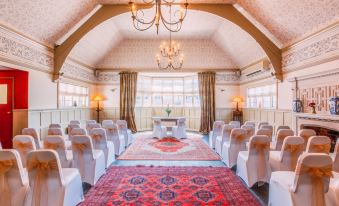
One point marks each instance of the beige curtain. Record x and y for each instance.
(128, 92)
(207, 100)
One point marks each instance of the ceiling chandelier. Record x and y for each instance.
(174, 26)
(171, 52)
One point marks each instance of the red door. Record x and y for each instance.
(6, 116)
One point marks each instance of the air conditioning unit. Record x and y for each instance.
(256, 68)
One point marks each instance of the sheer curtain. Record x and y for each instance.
(207, 100)
(128, 92)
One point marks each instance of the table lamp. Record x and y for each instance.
(98, 98)
(237, 100)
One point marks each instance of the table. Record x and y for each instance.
(169, 120)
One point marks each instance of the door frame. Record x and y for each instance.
(12, 80)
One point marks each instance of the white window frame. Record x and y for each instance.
(256, 96)
(79, 91)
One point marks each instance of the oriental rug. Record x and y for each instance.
(147, 148)
(177, 186)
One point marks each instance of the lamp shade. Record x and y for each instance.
(98, 98)
(236, 99)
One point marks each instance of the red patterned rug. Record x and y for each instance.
(175, 186)
(148, 148)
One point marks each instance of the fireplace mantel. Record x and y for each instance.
(323, 120)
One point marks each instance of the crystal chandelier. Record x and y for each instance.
(171, 52)
(174, 26)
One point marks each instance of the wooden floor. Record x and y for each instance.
(260, 192)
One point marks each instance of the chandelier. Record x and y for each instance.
(174, 26)
(171, 52)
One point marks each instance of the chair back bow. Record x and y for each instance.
(80, 146)
(97, 137)
(321, 148)
(112, 130)
(317, 174)
(239, 138)
(5, 166)
(23, 146)
(294, 150)
(40, 190)
(261, 147)
(53, 146)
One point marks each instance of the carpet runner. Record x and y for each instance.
(147, 148)
(177, 186)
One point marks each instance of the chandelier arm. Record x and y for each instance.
(178, 27)
(141, 20)
(136, 26)
(180, 20)
(149, 2)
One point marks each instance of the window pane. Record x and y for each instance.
(157, 100)
(167, 100)
(178, 100)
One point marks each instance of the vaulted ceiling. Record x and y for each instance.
(114, 43)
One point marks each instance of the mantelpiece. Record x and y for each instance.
(322, 120)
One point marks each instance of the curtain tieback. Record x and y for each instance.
(5, 166)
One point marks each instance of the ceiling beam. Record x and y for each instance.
(229, 12)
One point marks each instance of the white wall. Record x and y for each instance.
(224, 99)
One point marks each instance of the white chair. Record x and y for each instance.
(250, 130)
(23, 144)
(58, 132)
(224, 137)
(49, 183)
(70, 127)
(75, 122)
(14, 178)
(91, 126)
(306, 134)
(318, 144)
(107, 122)
(179, 131)
(335, 158)
(231, 148)
(262, 123)
(33, 133)
(123, 129)
(77, 131)
(282, 127)
(90, 122)
(216, 131)
(253, 165)
(250, 123)
(99, 140)
(159, 131)
(118, 140)
(286, 159)
(281, 135)
(270, 128)
(306, 186)
(91, 163)
(266, 132)
(57, 143)
(51, 126)
(236, 124)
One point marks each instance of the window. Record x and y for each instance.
(163, 91)
(72, 96)
(262, 97)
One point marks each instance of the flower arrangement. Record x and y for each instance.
(312, 105)
(168, 111)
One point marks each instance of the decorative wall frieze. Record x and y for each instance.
(78, 72)
(231, 77)
(108, 78)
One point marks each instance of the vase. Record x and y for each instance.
(296, 105)
(334, 105)
(313, 110)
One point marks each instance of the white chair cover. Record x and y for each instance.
(306, 186)
(54, 131)
(70, 127)
(91, 163)
(14, 183)
(224, 137)
(332, 196)
(250, 130)
(236, 124)
(23, 144)
(250, 123)
(267, 132)
(32, 132)
(75, 122)
(306, 134)
(318, 144)
(231, 148)
(253, 165)
(107, 122)
(54, 126)
(91, 126)
(286, 159)
(281, 135)
(262, 123)
(57, 143)
(91, 121)
(179, 131)
(118, 140)
(216, 131)
(159, 131)
(335, 158)
(123, 129)
(99, 140)
(49, 183)
(282, 127)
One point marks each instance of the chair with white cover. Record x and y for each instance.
(335, 158)
(250, 123)
(318, 144)
(49, 183)
(216, 131)
(70, 127)
(236, 124)
(90, 162)
(55, 131)
(179, 131)
(253, 165)
(262, 123)
(250, 130)
(107, 122)
(57, 143)
(14, 185)
(231, 148)
(54, 126)
(281, 135)
(91, 126)
(282, 127)
(74, 122)
(123, 129)
(159, 131)
(267, 132)
(286, 158)
(90, 122)
(24, 144)
(224, 137)
(118, 139)
(306, 134)
(99, 140)
(308, 185)
(33, 133)
(77, 131)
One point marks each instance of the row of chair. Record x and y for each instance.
(178, 131)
